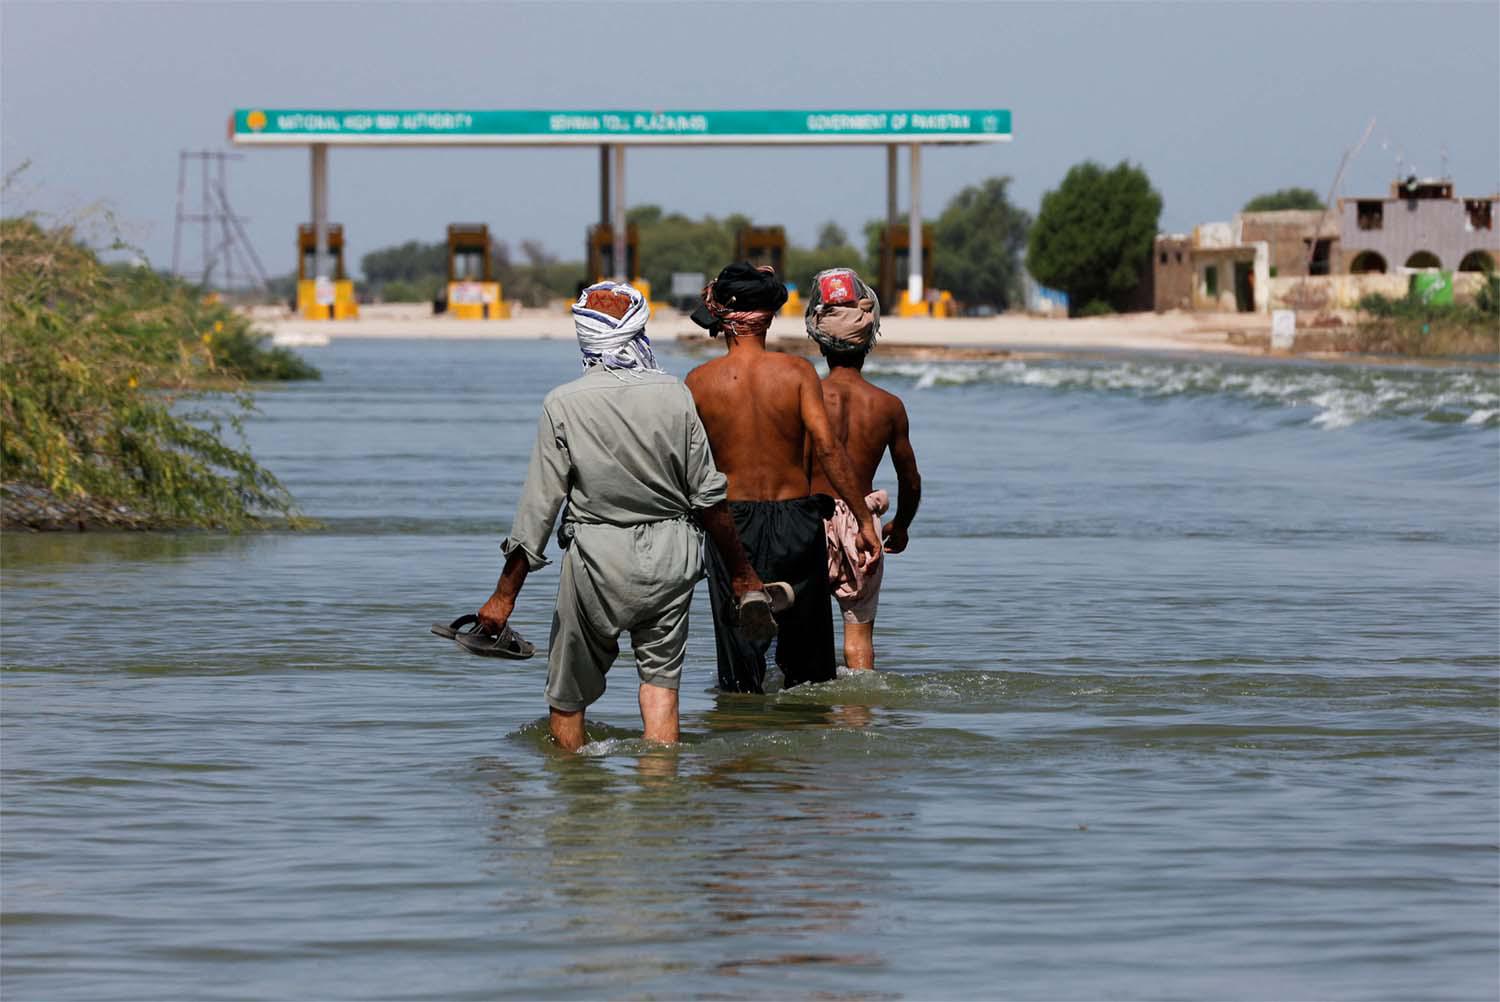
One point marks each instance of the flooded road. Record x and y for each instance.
(1189, 690)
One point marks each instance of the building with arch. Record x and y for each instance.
(1329, 259)
(1421, 225)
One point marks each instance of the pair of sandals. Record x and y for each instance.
(756, 619)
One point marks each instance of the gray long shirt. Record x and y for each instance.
(623, 449)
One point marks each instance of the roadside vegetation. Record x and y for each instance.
(1410, 326)
(121, 393)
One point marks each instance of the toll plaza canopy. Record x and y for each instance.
(298, 127)
(613, 131)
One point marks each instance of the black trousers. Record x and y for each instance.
(785, 541)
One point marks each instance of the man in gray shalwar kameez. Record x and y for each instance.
(623, 446)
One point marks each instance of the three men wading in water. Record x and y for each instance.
(745, 451)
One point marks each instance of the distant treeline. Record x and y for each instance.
(1092, 239)
(415, 271)
(978, 240)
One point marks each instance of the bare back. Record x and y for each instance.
(751, 405)
(866, 419)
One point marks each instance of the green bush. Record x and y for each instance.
(119, 385)
(1487, 301)
(1484, 309)
(1408, 326)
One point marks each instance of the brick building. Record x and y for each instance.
(1300, 241)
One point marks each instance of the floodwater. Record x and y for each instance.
(1189, 691)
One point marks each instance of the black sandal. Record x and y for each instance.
(755, 613)
(450, 631)
(505, 644)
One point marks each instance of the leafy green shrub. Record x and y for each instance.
(1487, 300)
(1377, 305)
(1413, 310)
(1096, 308)
(1408, 326)
(101, 372)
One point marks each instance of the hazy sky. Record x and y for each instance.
(1217, 101)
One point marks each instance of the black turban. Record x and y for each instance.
(742, 288)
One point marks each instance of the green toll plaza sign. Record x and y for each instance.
(281, 126)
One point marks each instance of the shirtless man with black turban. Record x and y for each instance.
(760, 409)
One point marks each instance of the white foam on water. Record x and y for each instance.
(1338, 398)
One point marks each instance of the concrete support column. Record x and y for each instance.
(914, 289)
(604, 185)
(892, 179)
(622, 269)
(320, 209)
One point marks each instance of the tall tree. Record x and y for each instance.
(1285, 198)
(672, 242)
(1093, 236)
(802, 264)
(411, 261)
(977, 244)
(831, 236)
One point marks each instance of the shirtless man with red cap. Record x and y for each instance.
(843, 317)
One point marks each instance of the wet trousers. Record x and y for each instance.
(785, 541)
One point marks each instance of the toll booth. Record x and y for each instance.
(766, 245)
(323, 298)
(895, 259)
(472, 292)
(601, 256)
(762, 245)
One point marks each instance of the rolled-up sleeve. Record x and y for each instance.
(706, 485)
(543, 495)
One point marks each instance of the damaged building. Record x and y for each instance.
(1420, 225)
(1250, 263)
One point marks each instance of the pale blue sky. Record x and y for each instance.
(1217, 101)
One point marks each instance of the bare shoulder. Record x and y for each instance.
(795, 364)
(884, 400)
(891, 409)
(701, 374)
(883, 395)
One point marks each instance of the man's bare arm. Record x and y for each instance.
(835, 460)
(496, 611)
(719, 524)
(908, 481)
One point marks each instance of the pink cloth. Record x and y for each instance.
(854, 576)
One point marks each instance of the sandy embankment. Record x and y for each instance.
(959, 337)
